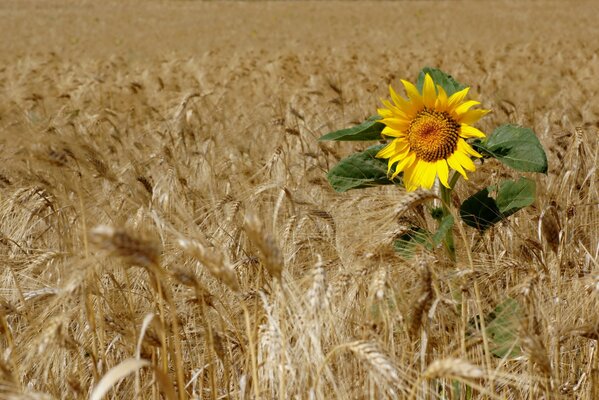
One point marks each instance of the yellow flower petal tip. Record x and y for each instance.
(429, 131)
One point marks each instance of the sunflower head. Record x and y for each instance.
(429, 131)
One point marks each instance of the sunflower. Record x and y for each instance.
(429, 131)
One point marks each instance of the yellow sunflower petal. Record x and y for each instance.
(454, 163)
(472, 116)
(396, 123)
(388, 131)
(443, 172)
(384, 112)
(429, 173)
(400, 154)
(423, 125)
(405, 163)
(422, 175)
(401, 149)
(400, 102)
(466, 148)
(389, 105)
(464, 160)
(408, 177)
(456, 99)
(441, 104)
(394, 110)
(386, 151)
(465, 106)
(429, 94)
(468, 131)
(401, 145)
(413, 94)
(398, 157)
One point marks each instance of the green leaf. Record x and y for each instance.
(359, 170)
(502, 329)
(444, 227)
(442, 79)
(517, 147)
(367, 130)
(512, 196)
(481, 210)
(407, 243)
(417, 237)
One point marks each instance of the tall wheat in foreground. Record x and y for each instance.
(167, 230)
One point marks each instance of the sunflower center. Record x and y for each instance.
(433, 135)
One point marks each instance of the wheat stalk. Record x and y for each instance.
(212, 259)
(266, 243)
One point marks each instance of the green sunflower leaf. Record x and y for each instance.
(481, 210)
(444, 227)
(517, 147)
(410, 241)
(368, 130)
(515, 195)
(502, 329)
(359, 170)
(446, 81)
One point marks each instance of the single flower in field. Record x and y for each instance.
(429, 131)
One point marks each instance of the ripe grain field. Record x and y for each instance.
(165, 216)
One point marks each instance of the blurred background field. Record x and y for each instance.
(190, 129)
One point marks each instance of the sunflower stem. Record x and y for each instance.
(446, 204)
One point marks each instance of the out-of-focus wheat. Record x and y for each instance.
(198, 161)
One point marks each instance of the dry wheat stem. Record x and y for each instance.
(199, 164)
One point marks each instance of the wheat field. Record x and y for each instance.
(167, 229)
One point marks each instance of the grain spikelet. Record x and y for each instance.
(272, 354)
(4, 181)
(57, 331)
(220, 205)
(589, 331)
(187, 278)
(56, 157)
(98, 163)
(146, 183)
(537, 353)
(218, 345)
(269, 249)
(166, 190)
(235, 206)
(132, 250)
(317, 294)
(212, 259)
(592, 285)
(412, 199)
(379, 282)
(180, 113)
(33, 199)
(579, 141)
(42, 293)
(380, 363)
(325, 216)
(424, 297)
(551, 227)
(275, 157)
(7, 308)
(453, 368)
(289, 228)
